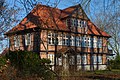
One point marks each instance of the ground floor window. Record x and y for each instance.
(99, 59)
(84, 60)
(94, 59)
(71, 60)
(78, 59)
(59, 61)
(51, 57)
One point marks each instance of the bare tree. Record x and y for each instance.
(108, 19)
(7, 18)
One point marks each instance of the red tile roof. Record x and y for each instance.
(47, 17)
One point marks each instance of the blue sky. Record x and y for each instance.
(95, 7)
(62, 4)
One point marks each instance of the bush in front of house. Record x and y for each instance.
(2, 62)
(115, 64)
(29, 64)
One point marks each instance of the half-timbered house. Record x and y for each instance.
(67, 37)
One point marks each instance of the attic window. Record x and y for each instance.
(82, 23)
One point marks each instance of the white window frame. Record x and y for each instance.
(94, 42)
(28, 39)
(59, 39)
(78, 41)
(65, 39)
(99, 43)
(17, 40)
(79, 23)
(51, 38)
(89, 42)
(99, 59)
(72, 22)
(84, 41)
(84, 59)
(72, 40)
(78, 59)
(72, 60)
(94, 59)
(85, 24)
(51, 57)
(68, 22)
(60, 61)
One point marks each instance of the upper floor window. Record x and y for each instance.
(65, 40)
(28, 39)
(89, 42)
(59, 39)
(76, 22)
(84, 41)
(82, 23)
(94, 42)
(99, 42)
(51, 38)
(72, 41)
(78, 41)
(17, 41)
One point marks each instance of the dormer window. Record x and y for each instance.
(76, 22)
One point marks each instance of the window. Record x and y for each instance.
(72, 41)
(60, 61)
(67, 22)
(94, 59)
(17, 41)
(78, 41)
(99, 43)
(65, 39)
(72, 60)
(84, 41)
(99, 59)
(84, 24)
(94, 42)
(51, 57)
(79, 23)
(78, 59)
(84, 59)
(72, 22)
(89, 42)
(59, 39)
(51, 38)
(28, 39)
